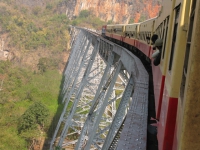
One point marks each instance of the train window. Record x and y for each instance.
(142, 36)
(187, 53)
(163, 30)
(174, 37)
(159, 31)
(165, 36)
(156, 32)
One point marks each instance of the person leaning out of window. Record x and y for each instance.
(157, 54)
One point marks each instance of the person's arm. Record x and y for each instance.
(156, 61)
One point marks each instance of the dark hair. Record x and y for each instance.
(154, 38)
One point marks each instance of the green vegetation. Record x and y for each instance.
(87, 19)
(142, 18)
(30, 32)
(110, 22)
(29, 98)
(36, 115)
(118, 92)
(131, 21)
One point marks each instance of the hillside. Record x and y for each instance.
(119, 11)
(32, 34)
(36, 41)
(34, 48)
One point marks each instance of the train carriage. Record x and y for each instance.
(119, 31)
(144, 36)
(184, 78)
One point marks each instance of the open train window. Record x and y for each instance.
(174, 36)
(165, 36)
(161, 29)
(187, 53)
(157, 31)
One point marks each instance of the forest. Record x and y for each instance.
(37, 39)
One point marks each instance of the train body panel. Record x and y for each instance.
(143, 47)
(158, 79)
(167, 121)
(190, 94)
(176, 80)
(129, 41)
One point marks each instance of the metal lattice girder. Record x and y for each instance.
(103, 80)
(84, 100)
(77, 74)
(78, 95)
(63, 115)
(76, 51)
(96, 111)
(77, 66)
(73, 33)
(77, 45)
(120, 115)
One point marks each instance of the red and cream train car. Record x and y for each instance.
(176, 79)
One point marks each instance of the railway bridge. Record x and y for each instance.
(105, 97)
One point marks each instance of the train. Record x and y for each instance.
(174, 35)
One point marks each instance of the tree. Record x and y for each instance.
(84, 14)
(35, 116)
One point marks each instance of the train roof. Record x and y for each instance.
(151, 19)
(133, 24)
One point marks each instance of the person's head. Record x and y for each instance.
(158, 43)
(154, 38)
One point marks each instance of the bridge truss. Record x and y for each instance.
(105, 97)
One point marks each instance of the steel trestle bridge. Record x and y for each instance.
(105, 97)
